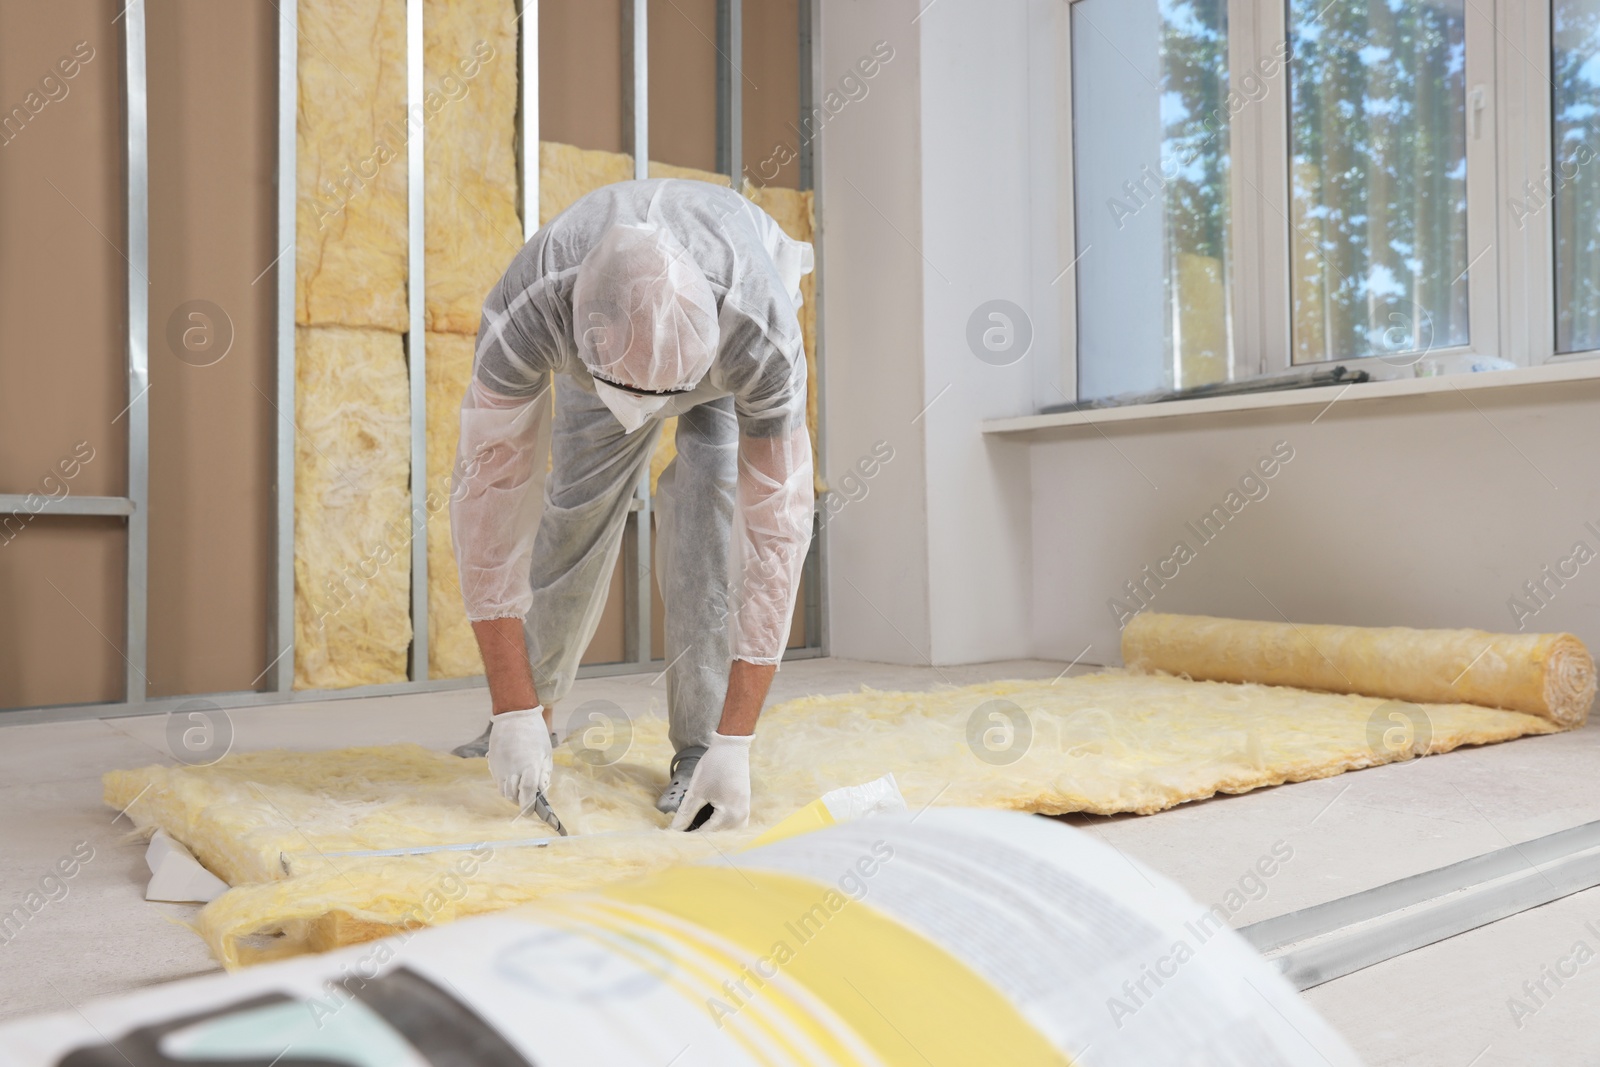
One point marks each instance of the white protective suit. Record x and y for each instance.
(688, 306)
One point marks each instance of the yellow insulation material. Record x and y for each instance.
(1550, 675)
(672, 170)
(1105, 743)
(352, 493)
(567, 173)
(470, 58)
(351, 169)
(666, 450)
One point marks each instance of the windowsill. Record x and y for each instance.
(1568, 370)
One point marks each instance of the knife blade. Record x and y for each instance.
(541, 808)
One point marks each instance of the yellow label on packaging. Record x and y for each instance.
(785, 946)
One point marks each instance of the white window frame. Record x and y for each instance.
(1511, 271)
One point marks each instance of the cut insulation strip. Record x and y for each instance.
(1104, 743)
(1549, 675)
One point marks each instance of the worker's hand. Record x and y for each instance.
(722, 780)
(519, 754)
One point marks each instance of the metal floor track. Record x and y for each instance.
(1321, 943)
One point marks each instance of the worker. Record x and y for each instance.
(643, 300)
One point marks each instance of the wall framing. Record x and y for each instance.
(277, 679)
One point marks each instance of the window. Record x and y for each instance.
(1575, 108)
(1277, 188)
(1378, 177)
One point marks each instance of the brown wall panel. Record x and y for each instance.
(772, 104)
(213, 158)
(63, 347)
(63, 229)
(580, 73)
(62, 587)
(683, 83)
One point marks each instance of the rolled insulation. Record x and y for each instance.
(1549, 675)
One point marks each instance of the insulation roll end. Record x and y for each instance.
(1569, 681)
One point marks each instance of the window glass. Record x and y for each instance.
(1572, 184)
(1150, 88)
(1378, 170)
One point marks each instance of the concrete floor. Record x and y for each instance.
(1442, 1005)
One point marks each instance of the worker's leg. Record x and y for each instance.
(694, 507)
(595, 468)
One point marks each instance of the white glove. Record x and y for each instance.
(721, 779)
(519, 754)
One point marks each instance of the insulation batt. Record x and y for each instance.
(1549, 675)
(472, 227)
(352, 493)
(1105, 743)
(351, 171)
(567, 172)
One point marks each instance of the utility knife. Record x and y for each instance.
(541, 808)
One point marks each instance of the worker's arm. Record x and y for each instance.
(497, 492)
(776, 502)
(520, 750)
(772, 534)
(505, 663)
(496, 499)
(495, 503)
(719, 793)
(747, 692)
(766, 373)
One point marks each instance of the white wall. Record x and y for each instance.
(1428, 511)
(870, 212)
(939, 194)
(979, 226)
